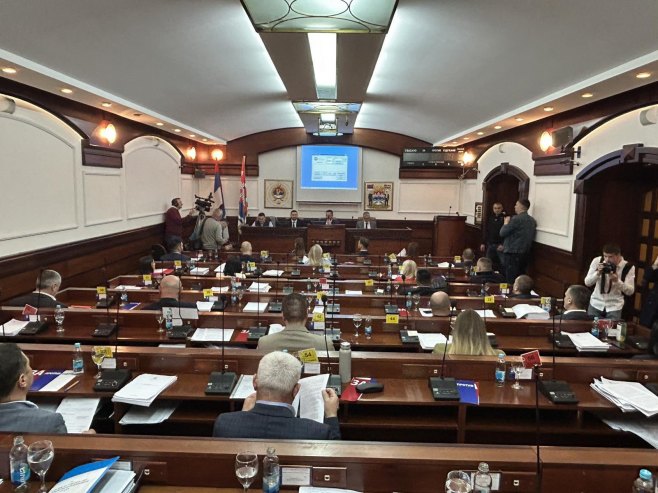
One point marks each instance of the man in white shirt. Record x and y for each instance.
(611, 277)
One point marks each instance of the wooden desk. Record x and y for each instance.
(382, 240)
(271, 239)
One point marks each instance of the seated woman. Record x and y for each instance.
(469, 337)
(315, 256)
(299, 250)
(146, 267)
(408, 270)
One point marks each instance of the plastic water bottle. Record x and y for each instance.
(309, 285)
(59, 319)
(345, 362)
(124, 297)
(500, 370)
(644, 482)
(78, 362)
(271, 472)
(409, 304)
(18, 466)
(169, 321)
(595, 327)
(482, 481)
(368, 327)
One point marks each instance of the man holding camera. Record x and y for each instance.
(612, 277)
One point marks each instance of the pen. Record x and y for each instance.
(72, 385)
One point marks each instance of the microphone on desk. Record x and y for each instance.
(221, 382)
(535, 371)
(445, 389)
(334, 380)
(37, 326)
(556, 391)
(105, 329)
(275, 306)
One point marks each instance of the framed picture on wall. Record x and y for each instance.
(477, 217)
(378, 196)
(278, 194)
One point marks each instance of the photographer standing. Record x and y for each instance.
(612, 277)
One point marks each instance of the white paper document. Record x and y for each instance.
(204, 306)
(486, 313)
(199, 271)
(115, 481)
(128, 287)
(59, 382)
(220, 289)
(254, 307)
(353, 291)
(584, 341)
(256, 287)
(629, 396)
(144, 389)
(308, 401)
(429, 340)
(78, 412)
(220, 267)
(13, 327)
(273, 273)
(275, 328)
(244, 388)
(212, 335)
(535, 312)
(425, 312)
(157, 413)
(83, 478)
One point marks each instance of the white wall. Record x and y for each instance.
(51, 199)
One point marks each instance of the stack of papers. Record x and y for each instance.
(220, 289)
(533, 312)
(628, 396)
(199, 271)
(204, 306)
(273, 273)
(584, 341)
(429, 340)
(212, 335)
(127, 287)
(78, 412)
(444, 265)
(158, 413)
(487, 313)
(354, 291)
(144, 389)
(253, 306)
(255, 287)
(13, 327)
(96, 477)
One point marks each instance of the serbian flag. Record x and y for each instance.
(218, 190)
(243, 208)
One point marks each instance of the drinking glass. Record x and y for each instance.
(40, 455)
(517, 368)
(416, 299)
(98, 356)
(160, 318)
(396, 286)
(458, 482)
(246, 468)
(357, 323)
(240, 293)
(309, 298)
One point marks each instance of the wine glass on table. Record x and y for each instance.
(160, 319)
(517, 368)
(458, 482)
(40, 455)
(240, 293)
(416, 299)
(357, 323)
(246, 468)
(98, 356)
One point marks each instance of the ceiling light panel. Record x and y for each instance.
(323, 54)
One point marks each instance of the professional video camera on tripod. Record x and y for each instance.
(203, 206)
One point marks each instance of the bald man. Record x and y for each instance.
(440, 304)
(170, 288)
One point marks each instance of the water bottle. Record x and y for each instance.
(169, 321)
(409, 303)
(124, 297)
(271, 473)
(500, 370)
(388, 287)
(482, 479)
(309, 285)
(78, 362)
(622, 329)
(18, 466)
(644, 482)
(368, 327)
(59, 316)
(595, 327)
(345, 362)
(389, 273)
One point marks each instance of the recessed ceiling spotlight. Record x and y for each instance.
(455, 142)
(192, 135)
(177, 130)
(480, 133)
(548, 108)
(497, 127)
(465, 138)
(518, 119)
(66, 90)
(643, 75)
(205, 140)
(587, 95)
(106, 104)
(9, 70)
(159, 124)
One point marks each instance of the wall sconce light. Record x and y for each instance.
(191, 153)
(468, 158)
(546, 141)
(217, 154)
(108, 133)
(7, 105)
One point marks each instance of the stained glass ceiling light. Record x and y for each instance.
(321, 16)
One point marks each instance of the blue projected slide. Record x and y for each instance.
(329, 168)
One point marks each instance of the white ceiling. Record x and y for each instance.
(447, 68)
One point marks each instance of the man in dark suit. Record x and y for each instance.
(17, 414)
(367, 222)
(170, 288)
(43, 296)
(295, 222)
(175, 247)
(576, 301)
(485, 272)
(269, 412)
(329, 219)
(522, 287)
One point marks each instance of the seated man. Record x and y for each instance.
(329, 219)
(269, 414)
(295, 222)
(295, 336)
(576, 300)
(440, 304)
(43, 296)
(246, 252)
(17, 414)
(262, 221)
(468, 258)
(175, 249)
(424, 285)
(170, 288)
(362, 246)
(523, 287)
(485, 272)
(366, 222)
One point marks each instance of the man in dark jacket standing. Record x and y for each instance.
(492, 243)
(518, 233)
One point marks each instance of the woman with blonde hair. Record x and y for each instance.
(469, 337)
(408, 270)
(315, 256)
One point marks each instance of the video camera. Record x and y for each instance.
(203, 204)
